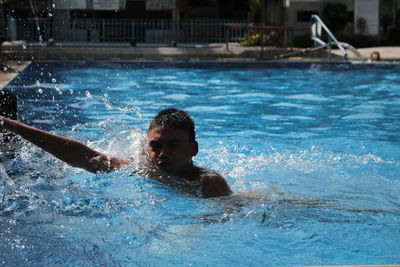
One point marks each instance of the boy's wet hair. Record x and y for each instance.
(376, 55)
(176, 118)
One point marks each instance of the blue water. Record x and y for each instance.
(311, 151)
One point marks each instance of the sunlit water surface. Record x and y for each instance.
(311, 151)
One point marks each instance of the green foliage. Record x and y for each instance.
(335, 16)
(362, 25)
(302, 41)
(386, 21)
(359, 40)
(393, 38)
(256, 39)
(255, 5)
(201, 3)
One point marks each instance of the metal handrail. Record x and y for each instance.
(318, 25)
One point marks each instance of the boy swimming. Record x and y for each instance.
(170, 148)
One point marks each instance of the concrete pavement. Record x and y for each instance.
(17, 67)
(123, 51)
(388, 53)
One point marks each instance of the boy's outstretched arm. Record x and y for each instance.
(68, 150)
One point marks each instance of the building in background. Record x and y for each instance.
(369, 17)
(98, 20)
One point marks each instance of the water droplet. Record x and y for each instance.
(88, 94)
(40, 91)
(58, 89)
(53, 80)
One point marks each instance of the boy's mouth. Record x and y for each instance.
(163, 164)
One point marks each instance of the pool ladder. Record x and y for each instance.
(317, 25)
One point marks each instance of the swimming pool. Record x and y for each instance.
(310, 150)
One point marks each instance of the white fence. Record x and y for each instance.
(127, 30)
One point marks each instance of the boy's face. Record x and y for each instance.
(374, 57)
(170, 149)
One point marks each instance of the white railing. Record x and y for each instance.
(127, 30)
(317, 25)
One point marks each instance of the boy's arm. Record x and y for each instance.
(68, 150)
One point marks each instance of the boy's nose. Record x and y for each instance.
(164, 152)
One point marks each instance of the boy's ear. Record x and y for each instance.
(195, 147)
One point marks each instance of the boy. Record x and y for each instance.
(171, 146)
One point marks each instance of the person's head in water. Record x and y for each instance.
(375, 56)
(176, 118)
(172, 141)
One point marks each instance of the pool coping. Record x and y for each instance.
(16, 68)
(20, 50)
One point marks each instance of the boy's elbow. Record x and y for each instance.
(105, 163)
(97, 163)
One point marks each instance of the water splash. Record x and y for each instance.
(242, 158)
(109, 106)
(58, 89)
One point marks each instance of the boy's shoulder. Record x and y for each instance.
(213, 184)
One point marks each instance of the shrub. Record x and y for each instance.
(302, 41)
(359, 40)
(393, 38)
(335, 16)
(362, 25)
(256, 39)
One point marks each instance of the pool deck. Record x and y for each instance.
(17, 67)
(22, 51)
(18, 55)
(388, 53)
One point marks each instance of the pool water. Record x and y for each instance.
(311, 151)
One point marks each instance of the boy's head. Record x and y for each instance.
(171, 141)
(375, 56)
(175, 118)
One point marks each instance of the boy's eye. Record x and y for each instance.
(155, 145)
(173, 144)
